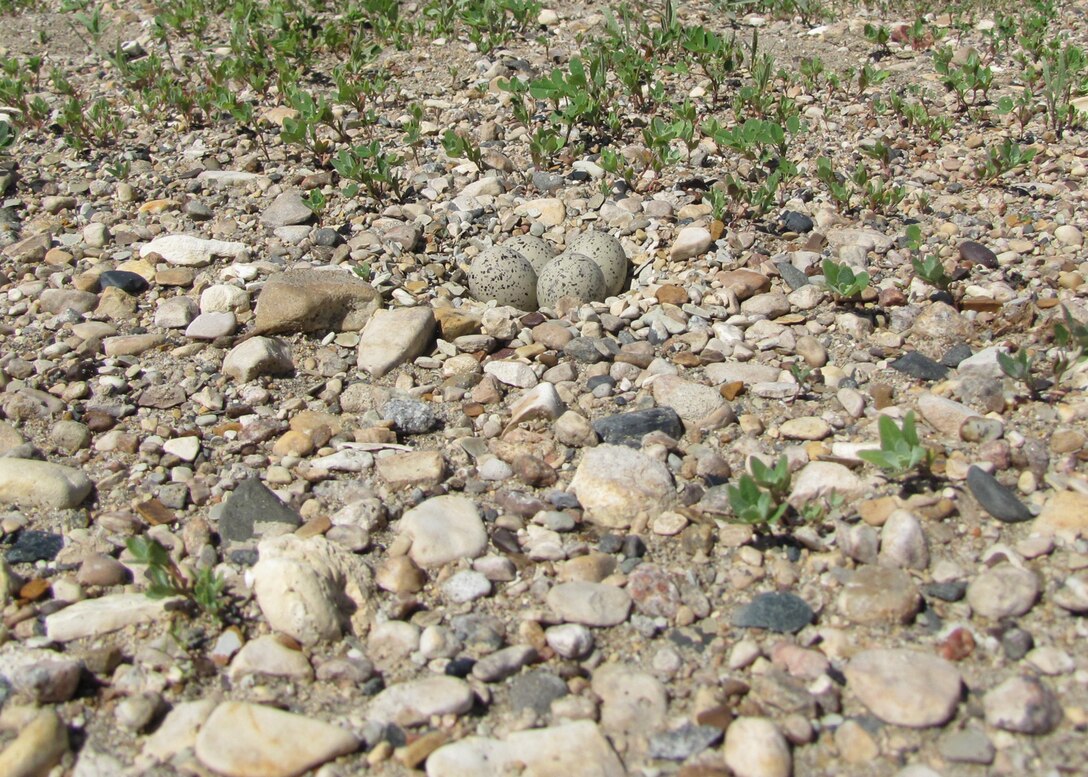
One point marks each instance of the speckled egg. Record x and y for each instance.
(606, 251)
(504, 275)
(536, 249)
(570, 275)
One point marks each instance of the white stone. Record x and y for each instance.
(512, 373)
(615, 483)
(94, 617)
(258, 356)
(223, 298)
(267, 655)
(444, 529)
(632, 702)
(692, 401)
(576, 748)
(191, 251)
(251, 740)
(754, 747)
(33, 482)
(905, 687)
(392, 337)
(414, 702)
(691, 242)
(178, 730)
(185, 448)
(591, 604)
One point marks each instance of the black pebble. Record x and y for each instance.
(780, 612)
(918, 366)
(996, 499)
(128, 282)
(31, 546)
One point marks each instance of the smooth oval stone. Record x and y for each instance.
(996, 499)
(784, 613)
(128, 282)
(976, 253)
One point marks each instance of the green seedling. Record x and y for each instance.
(1005, 158)
(775, 479)
(315, 200)
(1072, 341)
(7, 136)
(931, 270)
(166, 580)
(369, 165)
(879, 35)
(753, 505)
(900, 450)
(1021, 368)
(457, 146)
(843, 281)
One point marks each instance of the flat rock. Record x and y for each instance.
(615, 483)
(191, 251)
(633, 703)
(308, 300)
(414, 702)
(629, 428)
(1065, 514)
(1000, 501)
(392, 337)
(918, 366)
(178, 730)
(557, 751)
(252, 740)
(820, 479)
(590, 604)
(287, 209)
(879, 595)
(249, 506)
(755, 747)
(33, 482)
(692, 401)
(905, 687)
(444, 529)
(1003, 591)
(777, 611)
(94, 617)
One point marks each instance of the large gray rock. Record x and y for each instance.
(308, 300)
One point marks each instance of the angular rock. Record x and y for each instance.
(629, 428)
(178, 730)
(590, 604)
(33, 482)
(918, 366)
(252, 740)
(308, 300)
(287, 209)
(777, 611)
(692, 401)
(251, 504)
(615, 483)
(905, 687)
(392, 337)
(414, 702)
(1065, 514)
(879, 595)
(256, 357)
(1023, 705)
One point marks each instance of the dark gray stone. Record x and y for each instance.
(956, 354)
(584, 350)
(791, 275)
(781, 612)
(31, 546)
(536, 690)
(1017, 643)
(946, 592)
(629, 428)
(792, 221)
(976, 253)
(996, 499)
(252, 503)
(918, 366)
(327, 237)
(197, 210)
(684, 742)
(129, 282)
(410, 416)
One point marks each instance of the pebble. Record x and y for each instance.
(32, 482)
(682, 743)
(571, 748)
(259, 741)
(1064, 514)
(905, 687)
(590, 604)
(633, 703)
(48, 681)
(287, 209)
(875, 594)
(1003, 591)
(1024, 705)
(968, 746)
(997, 500)
(443, 529)
(919, 366)
(466, 586)
(615, 483)
(256, 357)
(416, 701)
(570, 640)
(95, 617)
(781, 612)
(32, 546)
(689, 243)
(268, 655)
(178, 730)
(903, 542)
(39, 746)
(755, 747)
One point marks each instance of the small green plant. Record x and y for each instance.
(315, 200)
(931, 270)
(457, 146)
(843, 281)
(753, 505)
(879, 35)
(900, 450)
(1071, 338)
(775, 479)
(363, 270)
(369, 165)
(801, 373)
(166, 580)
(1006, 157)
(1021, 368)
(7, 136)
